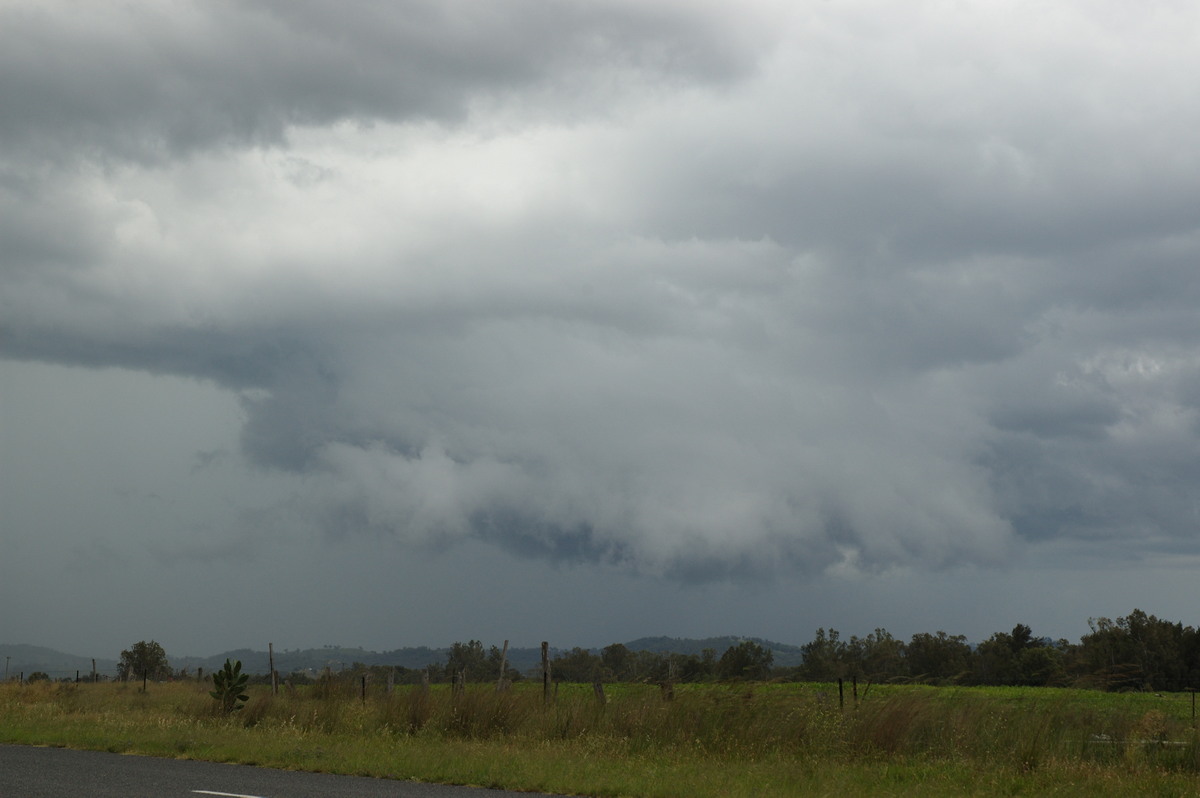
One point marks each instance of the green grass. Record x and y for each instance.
(711, 740)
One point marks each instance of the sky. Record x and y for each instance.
(390, 324)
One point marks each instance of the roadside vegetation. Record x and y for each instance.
(1135, 652)
(715, 739)
(1013, 715)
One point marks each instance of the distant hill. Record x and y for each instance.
(27, 659)
(523, 659)
(316, 659)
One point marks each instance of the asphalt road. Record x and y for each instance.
(28, 772)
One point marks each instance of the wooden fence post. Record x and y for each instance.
(500, 684)
(545, 672)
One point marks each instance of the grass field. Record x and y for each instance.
(711, 740)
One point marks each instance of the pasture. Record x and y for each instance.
(748, 739)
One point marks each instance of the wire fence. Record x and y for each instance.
(36, 672)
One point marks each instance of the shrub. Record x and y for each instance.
(229, 683)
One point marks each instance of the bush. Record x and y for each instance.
(229, 683)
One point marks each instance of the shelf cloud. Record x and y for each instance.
(657, 286)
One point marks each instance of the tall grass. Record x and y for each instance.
(771, 739)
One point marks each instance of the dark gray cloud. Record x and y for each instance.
(150, 81)
(836, 290)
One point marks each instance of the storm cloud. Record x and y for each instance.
(658, 286)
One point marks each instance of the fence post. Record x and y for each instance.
(841, 694)
(500, 685)
(545, 672)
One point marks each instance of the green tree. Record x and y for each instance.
(692, 668)
(474, 663)
(618, 662)
(649, 666)
(1016, 657)
(144, 659)
(468, 659)
(877, 657)
(996, 660)
(824, 657)
(746, 660)
(1040, 666)
(939, 657)
(495, 658)
(1137, 652)
(1021, 638)
(577, 665)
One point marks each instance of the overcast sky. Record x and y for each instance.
(388, 323)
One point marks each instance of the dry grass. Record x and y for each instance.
(709, 740)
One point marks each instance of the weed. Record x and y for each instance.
(709, 740)
(229, 684)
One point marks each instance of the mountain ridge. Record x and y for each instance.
(23, 658)
(26, 659)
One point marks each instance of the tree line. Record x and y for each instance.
(1135, 652)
